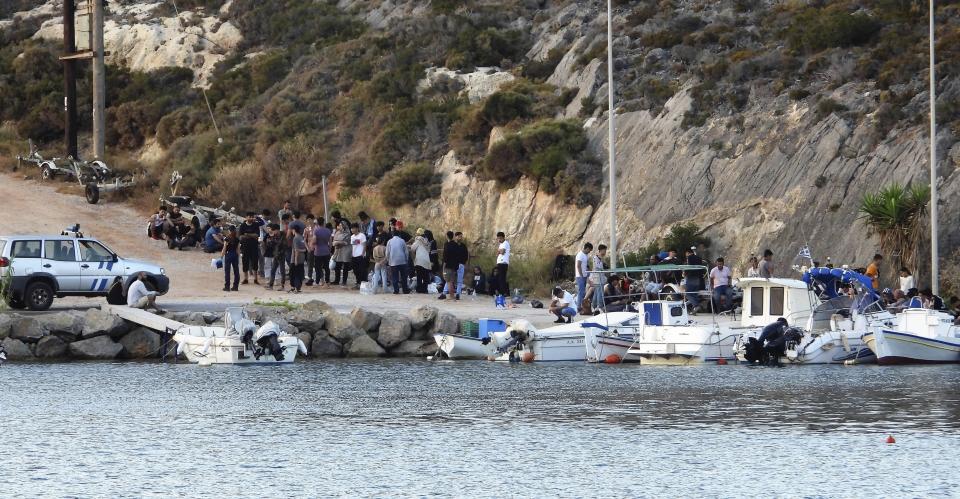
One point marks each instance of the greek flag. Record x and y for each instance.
(804, 252)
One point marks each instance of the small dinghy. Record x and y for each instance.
(240, 341)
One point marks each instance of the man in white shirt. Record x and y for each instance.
(582, 269)
(503, 264)
(139, 297)
(561, 306)
(720, 282)
(358, 252)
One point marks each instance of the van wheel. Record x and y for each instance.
(39, 295)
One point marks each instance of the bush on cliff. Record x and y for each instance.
(411, 183)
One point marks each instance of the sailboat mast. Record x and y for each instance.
(934, 216)
(610, 139)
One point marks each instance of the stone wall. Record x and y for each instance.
(97, 335)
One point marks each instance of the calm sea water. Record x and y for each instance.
(418, 428)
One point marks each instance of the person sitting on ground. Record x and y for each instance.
(492, 282)
(479, 281)
(177, 232)
(156, 223)
(561, 306)
(138, 296)
(213, 240)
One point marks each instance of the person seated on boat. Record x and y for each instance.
(931, 301)
(671, 277)
(562, 306)
(913, 299)
(614, 298)
(899, 302)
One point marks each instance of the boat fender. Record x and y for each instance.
(206, 346)
(180, 347)
(612, 359)
(302, 346)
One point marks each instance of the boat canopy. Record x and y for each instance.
(830, 277)
(651, 268)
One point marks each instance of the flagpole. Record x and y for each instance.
(610, 139)
(934, 216)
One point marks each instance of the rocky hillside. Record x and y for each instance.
(763, 121)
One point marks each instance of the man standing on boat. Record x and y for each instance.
(694, 283)
(720, 282)
(582, 264)
(766, 265)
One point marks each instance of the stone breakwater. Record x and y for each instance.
(98, 335)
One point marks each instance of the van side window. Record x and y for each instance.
(756, 301)
(776, 301)
(25, 249)
(61, 251)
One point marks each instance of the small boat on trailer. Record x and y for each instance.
(239, 341)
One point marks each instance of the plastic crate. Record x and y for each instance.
(470, 328)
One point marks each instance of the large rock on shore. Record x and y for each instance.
(97, 348)
(394, 329)
(364, 346)
(141, 343)
(341, 327)
(17, 350)
(445, 323)
(66, 325)
(27, 330)
(310, 321)
(325, 346)
(96, 322)
(317, 306)
(364, 319)
(422, 316)
(51, 347)
(415, 348)
(6, 323)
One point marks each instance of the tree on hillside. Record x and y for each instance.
(897, 215)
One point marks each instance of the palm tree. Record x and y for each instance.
(896, 214)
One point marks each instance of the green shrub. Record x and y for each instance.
(799, 94)
(505, 106)
(828, 106)
(814, 29)
(484, 47)
(180, 123)
(130, 123)
(293, 24)
(410, 184)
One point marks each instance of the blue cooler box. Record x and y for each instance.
(490, 326)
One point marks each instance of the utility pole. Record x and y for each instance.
(611, 139)
(99, 80)
(934, 214)
(69, 78)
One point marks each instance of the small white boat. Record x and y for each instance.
(916, 335)
(240, 341)
(564, 342)
(458, 346)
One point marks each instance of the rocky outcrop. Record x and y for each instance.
(325, 346)
(422, 316)
(365, 320)
(476, 86)
(27, 330)
(341, 327)
(67, 325)
(141, 343)
(6, 323)
(364, 346)
(394, 330)
(97, 323)
(307, 320)
(50, 347)
(445, 323)
(415, 348)
(98, 348)
(16, 349)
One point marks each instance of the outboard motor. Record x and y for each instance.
(246, 329)
(517, 336)
(266, 338)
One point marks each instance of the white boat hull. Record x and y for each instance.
(683, 345)
(231, 349)
(829, 347)
(898, 347)
(552, 348)
(608, 348)
(457, 346)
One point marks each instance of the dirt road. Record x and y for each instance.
(31, 207)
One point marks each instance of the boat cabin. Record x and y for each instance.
(665, 313)
(766, 300)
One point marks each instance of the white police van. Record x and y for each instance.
(39, 268)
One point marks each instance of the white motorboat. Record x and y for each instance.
(458, 346)
(916, 335)
(831, 332)
(240, 341)
(564, 342)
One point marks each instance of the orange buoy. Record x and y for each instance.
(612, 359)
(721, 361)
(891, 440)
(528, 356)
